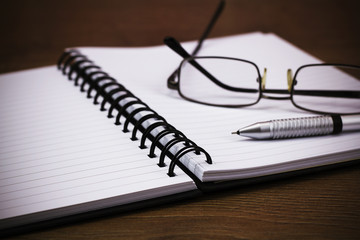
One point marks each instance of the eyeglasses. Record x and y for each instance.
(231, 82)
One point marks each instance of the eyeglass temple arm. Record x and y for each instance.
(171, 79)
(176, 47)
(318, 93)
(209, 27)
(329, 93)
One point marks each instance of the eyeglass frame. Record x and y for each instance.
(172, 83)
(261, 90)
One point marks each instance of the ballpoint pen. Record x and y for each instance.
(301, 127)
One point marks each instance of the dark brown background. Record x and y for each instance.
(318, 206)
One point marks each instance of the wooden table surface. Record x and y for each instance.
(324, 205)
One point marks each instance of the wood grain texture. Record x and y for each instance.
(325, 205)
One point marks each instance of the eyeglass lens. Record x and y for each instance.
(239, 82)
(330, 89)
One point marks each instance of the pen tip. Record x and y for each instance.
(237, 132)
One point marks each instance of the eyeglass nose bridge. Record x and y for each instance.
(290, 79)
(263, 80)
(277, 91)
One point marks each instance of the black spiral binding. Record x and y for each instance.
(91, 79)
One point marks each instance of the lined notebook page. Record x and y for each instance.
(210, 127)
(60, 155)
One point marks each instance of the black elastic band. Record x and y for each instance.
(337, 124)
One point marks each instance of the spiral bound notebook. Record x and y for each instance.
(60, 156)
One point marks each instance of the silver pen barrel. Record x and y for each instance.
(350, 122)
(292, 127)
(301, 127)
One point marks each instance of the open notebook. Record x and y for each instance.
(60, 155)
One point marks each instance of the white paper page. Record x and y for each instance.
(145, 70)
(60, 155)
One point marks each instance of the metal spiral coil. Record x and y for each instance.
(90, 78)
